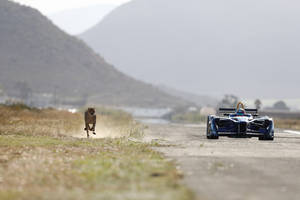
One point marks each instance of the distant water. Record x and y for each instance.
(147, 112)
(143, 115)
(149, 115)
(152, 121)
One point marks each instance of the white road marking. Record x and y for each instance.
(292, 132)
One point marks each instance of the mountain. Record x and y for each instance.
(199, 100)
(249, 48)
(38, 57)
(75, 21)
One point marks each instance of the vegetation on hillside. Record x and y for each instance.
(39, 62)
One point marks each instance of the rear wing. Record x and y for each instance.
(226, 111)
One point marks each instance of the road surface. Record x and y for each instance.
(232, 168)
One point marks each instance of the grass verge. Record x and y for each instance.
(39, 163)
(291, 124)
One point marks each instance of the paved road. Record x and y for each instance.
(230, 168)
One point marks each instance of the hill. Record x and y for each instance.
(198, 100)
(248, 48)
(38, 57)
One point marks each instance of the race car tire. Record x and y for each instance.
(213, 137)
(208, 131)
(266, 137)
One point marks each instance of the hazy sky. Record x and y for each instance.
(53, 6)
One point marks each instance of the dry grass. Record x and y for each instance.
(116, 123)
(21, 120)
(40, 160)
(292, 124)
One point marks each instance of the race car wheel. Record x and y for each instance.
(208, 131)
(266, 137)
(261, 138)
(207, 128)
(214, 137)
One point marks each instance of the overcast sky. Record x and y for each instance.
(74, 16)
(52, 6)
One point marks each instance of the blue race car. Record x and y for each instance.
(240, 122)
